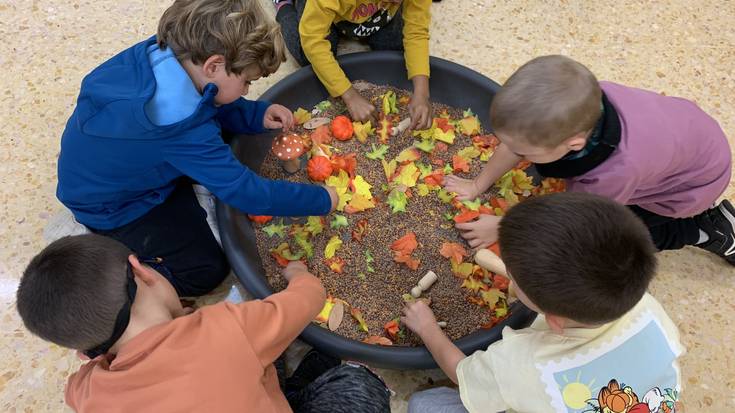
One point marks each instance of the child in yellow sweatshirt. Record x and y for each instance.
(311, 29)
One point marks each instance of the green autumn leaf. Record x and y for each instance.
(467, 113)
(445, 196)
(378, 153)
(397, 201)
(389, 103)
(473, 205)
(339, 221)
(425, 145)
(275, 229)
(315, 225)
(332, 246)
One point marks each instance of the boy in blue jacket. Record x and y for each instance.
(152, 115)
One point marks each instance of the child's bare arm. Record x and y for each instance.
(420, 319)
(499, 163)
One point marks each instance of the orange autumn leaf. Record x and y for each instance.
(435, 178)
(280, 260)
(321, 135)
(357, 315)
(485, 210)
(411, 262)
(360, 230)
(436, 161)
(443, 124)
(453, 251)
(459, 164)
(499, 203)
(260, 219)
(335, 264)
(346, 163)
(384, 129)
(466, 216)
(392, 328)
(406, 244)
(383, 341)
(500, 282)
(486, 141)
(523, 164)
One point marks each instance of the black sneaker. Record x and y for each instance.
(719, 224)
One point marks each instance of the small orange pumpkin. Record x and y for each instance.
(260, 219)
(319, 168)
(342, 128)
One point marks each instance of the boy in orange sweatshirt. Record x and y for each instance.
(311, 30)
(92, 294)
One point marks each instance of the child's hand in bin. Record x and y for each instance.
(480, 233)
(278, 117)
(418, 317)
(360, 109)
(293, 269)
(333, 197)
(466, 189)
(420, 110)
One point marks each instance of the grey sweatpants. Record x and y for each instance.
(437, 400)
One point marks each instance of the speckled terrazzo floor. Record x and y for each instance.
(677, 47)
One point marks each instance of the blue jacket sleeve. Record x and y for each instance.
(202, 155)
(243, 116)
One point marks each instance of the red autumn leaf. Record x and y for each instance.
(342, 128)
(280, 260)
(383, 341)
(459, 164)
(319, 168)
(484, 210)
(523, 164)
(406, 244)
(410, 261)
(453, 251)
(321, 135)
(443, 124)
(466, 216)
(360, 230)
(346, 163)
(335, 264)
(260, 219)
(439, 148)
(495, 247)
(499, 203)
(486, 141)
(436, 178)
(392, 328)
(500, 282)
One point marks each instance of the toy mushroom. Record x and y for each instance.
(491, 262)
(402, 126)
(289, 148)
(424, 284)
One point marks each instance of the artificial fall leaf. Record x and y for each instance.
(377, 152)
(346, 163)
(472, 284)
(407, 175)
(332, 246)
(383, 341)
(360, 230)
(275, 229)
(448, 169)
(423, 189)
(459, 164)
(369, 261)
(485, 141)
(404, 100)
(260, 219)
(315, 225)
(443, 124)
(500, 282)
(436, 161)
(306, 246)
(491, 296)
(340, 181)
(389, 103)
(323, 315)
(469, 126)
(384, 129)
(321, 135)
(436, 178)
(410, 261)
(425, 145)
(397, 201)
(515, 181)
(389, 168)
(473, 205)
(408, 155)
(467, 113)
(444, 136)
(363, 130)
(283, 255)
(339, 221)
(357, 315)
(445, 196)
(469, 152)
(406, 244)
(453, 251)
(358, 204)
(301, 115)
(425, 169)
(550, 186)
(466, 216)
(335, 264)
(499, 203)
(501, 311)
(462, 269)
(323, 105)
(362, 187)
(392, 328)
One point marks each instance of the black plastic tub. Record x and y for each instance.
(451, 84)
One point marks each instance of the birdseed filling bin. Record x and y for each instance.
(362, 271)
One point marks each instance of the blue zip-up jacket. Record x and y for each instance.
(130, 138)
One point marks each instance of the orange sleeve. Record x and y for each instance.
(74, 392)
(273, 323)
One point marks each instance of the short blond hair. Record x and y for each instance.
(237, 29)
(546, 101)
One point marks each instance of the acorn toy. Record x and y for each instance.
(424, 284)
(289, 148)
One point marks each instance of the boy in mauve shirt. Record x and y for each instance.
(148, 353)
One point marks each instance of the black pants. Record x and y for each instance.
(342, 389)
(389, 37)
(177, 231)
(668, 233)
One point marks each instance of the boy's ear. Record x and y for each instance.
(556, 323)
(213, 64)
(142, 272)
(577, 142)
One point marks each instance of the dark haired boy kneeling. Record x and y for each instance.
(90, 293)
(600, 341)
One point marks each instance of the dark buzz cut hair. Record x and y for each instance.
(71, 292)
(578, 256)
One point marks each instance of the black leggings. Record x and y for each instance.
(389, 37)
(177, 231)
(668, 233)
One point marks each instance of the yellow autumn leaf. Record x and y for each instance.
(446, 137)
(472, 284)
(469, 153)
(408, 155)
(323, 315)
(363, 130)
(462, 270)
(389, 168)
(332, 246)
(362, 187)
(423, 189)
(426, 133)
(301, 115)
(491, 296)
(342, 180)
(469, 126)
(360, 203)
(408, 175)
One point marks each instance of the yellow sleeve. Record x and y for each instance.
(416, 20)
(314, 27)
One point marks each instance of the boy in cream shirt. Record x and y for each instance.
(600, 342)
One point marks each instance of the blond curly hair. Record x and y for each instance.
(239, 30)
